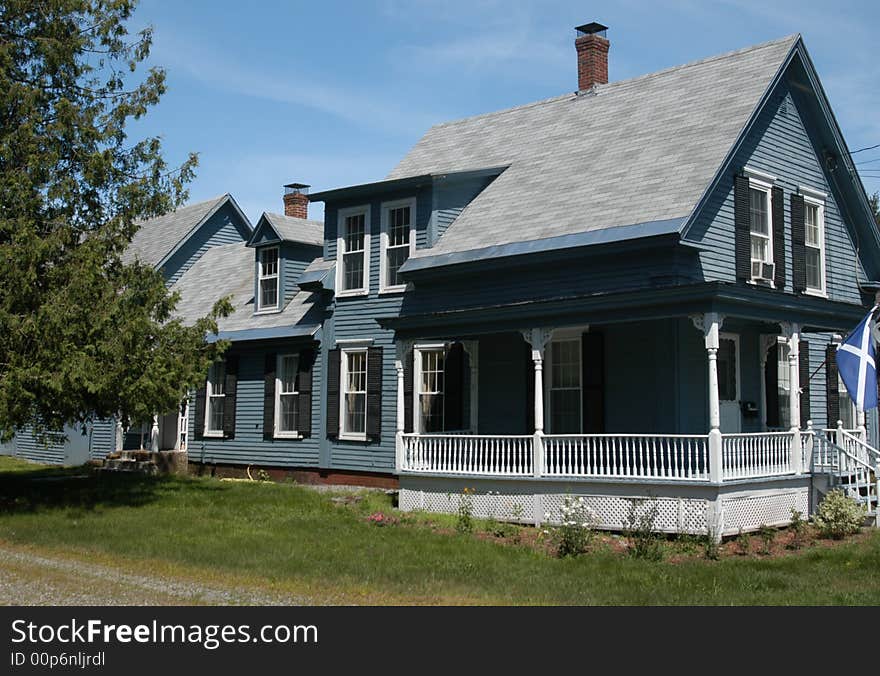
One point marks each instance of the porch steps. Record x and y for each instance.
(131, 462)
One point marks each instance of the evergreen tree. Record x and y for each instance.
(82, 335)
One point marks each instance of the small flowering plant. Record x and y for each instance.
(575, 531)
(382, 519)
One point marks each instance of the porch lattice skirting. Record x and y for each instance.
(693, 509)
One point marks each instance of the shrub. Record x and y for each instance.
(798, 529)
(768, 535)
(712, 546)
(839, 515)
(744, 543)
(644, 541)
(464, 521)
(575, 532)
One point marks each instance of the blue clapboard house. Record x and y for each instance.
(629, 292)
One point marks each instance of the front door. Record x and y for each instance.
(728, 383)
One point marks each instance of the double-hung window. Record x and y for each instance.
(814, 239)
(761, 231)
(215, 397)
(564, 386)
(354, 393)
(398, 242)
(286, 396)
(353, 249)
(267, 287)
(431, 389)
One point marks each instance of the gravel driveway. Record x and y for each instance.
(30, 579)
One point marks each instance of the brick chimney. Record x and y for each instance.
(592, 50)
(296, 200)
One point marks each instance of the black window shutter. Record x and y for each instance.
(231, 392)
(375, 367)
(201, 396)
(269, 396)
(742, 229)
(408, 391)
(453, 385)
(804, 378)
(593, 382)
(779, 237)
(798, 245)
(530, 392)
(333, 366)
(771, 386)
(304, 388)
(832, 394)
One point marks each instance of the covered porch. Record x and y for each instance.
(679, 406)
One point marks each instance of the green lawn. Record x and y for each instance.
(287, 537)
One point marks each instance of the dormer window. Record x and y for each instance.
(353, 246)
(267, 286)
(398, 242)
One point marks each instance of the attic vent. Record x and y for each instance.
(783, 107)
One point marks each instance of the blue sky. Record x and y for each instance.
(334, 93)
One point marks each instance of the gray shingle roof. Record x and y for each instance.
(158, 236)
(634, 151)
(292, 229)
(229, 270)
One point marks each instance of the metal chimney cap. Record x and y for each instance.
(592, 28)
(296, 188)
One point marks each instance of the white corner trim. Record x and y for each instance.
(813, 193)
(759, 175)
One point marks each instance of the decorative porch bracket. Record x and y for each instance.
(710, 325)
(792, 332)
(538, 339)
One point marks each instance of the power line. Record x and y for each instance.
(863, 149)
(876, 159)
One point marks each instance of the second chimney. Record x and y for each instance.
(296, 200)
(592, 54)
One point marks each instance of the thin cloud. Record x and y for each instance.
(213, 69)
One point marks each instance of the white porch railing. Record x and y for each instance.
(756, 455)
(468, 454)
(674, 457)
(671, 456)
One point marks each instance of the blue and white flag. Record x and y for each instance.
(856, 366)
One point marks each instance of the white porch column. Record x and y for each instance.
(538, 339)
(119, 436)
(401, 417)
(710, 324)
(154, 435)
(793, 333)
(860, 425)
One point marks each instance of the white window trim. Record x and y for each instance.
(810, 197)
(344, 434)
(765, 185)
(208, 432)
(292, 434)
(417, 379)
(340, 250)
(268, 309)
(383, 241)
(759, 176)
(562, 336)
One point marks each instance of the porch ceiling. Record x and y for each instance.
(735, 301)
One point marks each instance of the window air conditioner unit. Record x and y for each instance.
(762, 271)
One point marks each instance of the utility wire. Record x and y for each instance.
(864, 149)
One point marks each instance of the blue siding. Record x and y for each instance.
(248, 446)
(779, 145)
(223, 227)
(72, 451)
